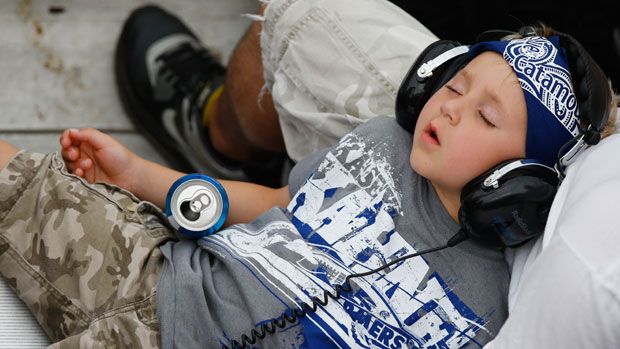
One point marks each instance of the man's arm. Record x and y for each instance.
(247, 200)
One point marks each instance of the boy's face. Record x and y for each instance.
(474, 122)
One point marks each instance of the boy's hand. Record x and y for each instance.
(97, 157)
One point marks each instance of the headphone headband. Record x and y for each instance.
(591, 87)
(426, 70)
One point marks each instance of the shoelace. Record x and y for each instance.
(186, 66)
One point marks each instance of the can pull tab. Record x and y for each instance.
(190, 209)
(196, 206)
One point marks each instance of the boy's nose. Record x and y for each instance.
(452, 110)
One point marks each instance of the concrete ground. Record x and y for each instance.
(56, 72)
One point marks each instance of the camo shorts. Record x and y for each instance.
(84, 258)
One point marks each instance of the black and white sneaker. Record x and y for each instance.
(164, 77)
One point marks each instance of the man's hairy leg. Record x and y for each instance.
(7, 151)
(239, 126)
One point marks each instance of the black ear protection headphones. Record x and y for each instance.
(509, 204)
(505, 206)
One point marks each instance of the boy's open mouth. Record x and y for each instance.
(430, 135)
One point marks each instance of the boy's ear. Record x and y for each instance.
(418, 86)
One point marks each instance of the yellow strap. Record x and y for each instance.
(206, 112)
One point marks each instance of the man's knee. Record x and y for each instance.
(7, 152)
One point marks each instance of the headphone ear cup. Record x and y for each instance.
(514, 212)
(415, 91)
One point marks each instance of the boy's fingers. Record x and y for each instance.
(70, 154)
(65, 155)
(95, 138)
(70, 166)
(79, 172)
(86, 163)
(64, 140)
(73, 153)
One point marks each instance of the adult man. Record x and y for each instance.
(230, 123)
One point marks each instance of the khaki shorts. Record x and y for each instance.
(84, 258)
(330, 65)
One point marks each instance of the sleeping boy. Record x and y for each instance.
(85, 245)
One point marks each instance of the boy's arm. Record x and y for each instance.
(247, 201)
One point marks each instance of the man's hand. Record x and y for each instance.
(97, 157)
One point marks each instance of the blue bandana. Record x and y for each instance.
(552, 115)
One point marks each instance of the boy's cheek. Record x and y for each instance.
(421, 163)
(411, 160)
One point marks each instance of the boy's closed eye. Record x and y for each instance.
(485, 119)
(453, 89)
(457, 90)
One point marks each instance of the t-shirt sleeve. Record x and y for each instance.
(304, 168)
(380, 129)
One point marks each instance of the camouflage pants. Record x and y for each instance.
(84, 258)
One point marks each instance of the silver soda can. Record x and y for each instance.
(196, 205)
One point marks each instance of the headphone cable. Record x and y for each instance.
(284, 319)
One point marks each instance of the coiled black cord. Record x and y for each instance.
(282, 320)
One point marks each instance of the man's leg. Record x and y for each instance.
(328, 65)
(331, 69)
(83, 258)
(332, 65)
(244, 122)
(201, 116)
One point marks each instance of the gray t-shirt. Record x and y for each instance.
(354, 207)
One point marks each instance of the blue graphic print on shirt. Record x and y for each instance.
(342, 222)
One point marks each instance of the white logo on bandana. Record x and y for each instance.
(533, 60)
